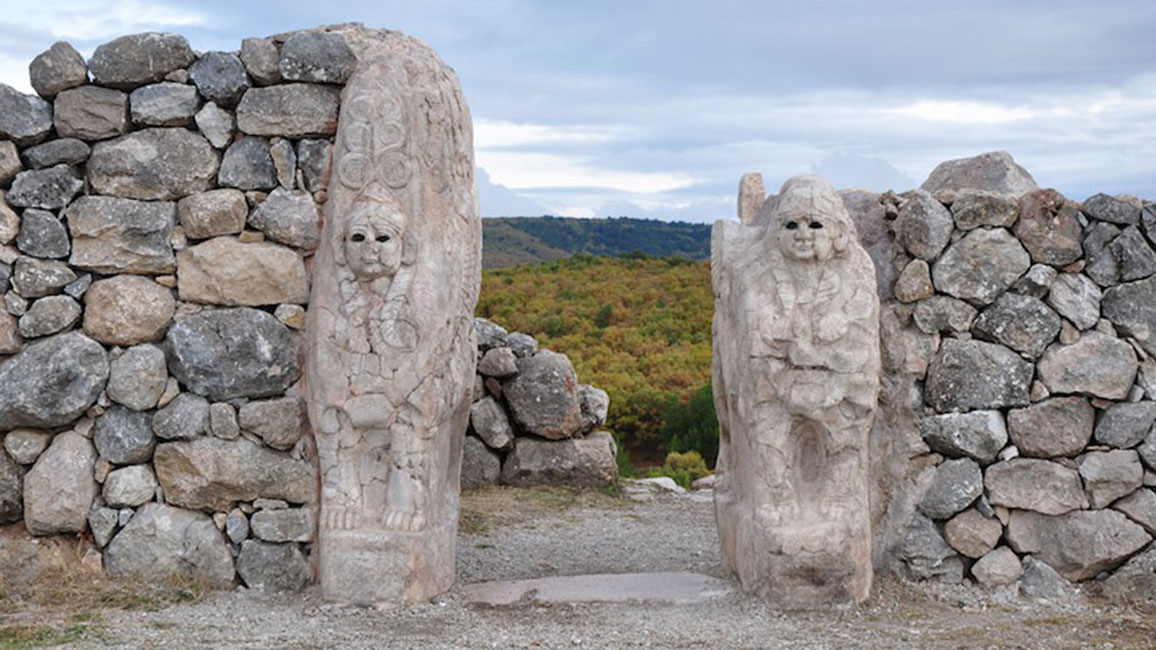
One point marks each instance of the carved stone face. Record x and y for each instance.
(807, 237)
(373, 243)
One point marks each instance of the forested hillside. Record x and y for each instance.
(635, 326)
(521, 240)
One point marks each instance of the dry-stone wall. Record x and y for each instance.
(531, 422)
(1016, 436)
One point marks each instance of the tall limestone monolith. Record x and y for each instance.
(391, 352)
(796, 379)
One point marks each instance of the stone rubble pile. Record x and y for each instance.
(1019, 338)
(531, 422)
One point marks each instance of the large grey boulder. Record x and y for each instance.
(137, 377)
(24, 119)
(59, 489)
(924, 555)
(1041, 582)
(1076, 298)
(543, 396)
(1096, 365)
(1125, 425)
(1135, 581)
(220, 77)
(1078, 545)
(1034, 484)
(1049, 228)
(489, 335)
(157, 164)
(490, 422)
(970, 375)
(51, 382)
(49, 315)
(225, 271)
(114, 235)
(228, 353)
(33, 278)
(997, 568)
(213, 474)
(248, 165)
(127, 310)
(162, 542)
(129, 487)
(1134, 258)
(973, 209)
(279, 422)
(42, 235)
(11, 488)
(1023, 323)
(577, 462)
(923, 226)
(994, 171)
(978, 434)
(289, 217)
(47, 189)
(282, 525)
(980, 266)
(272, 567)
(164, 104)
(480, 466)
(1140, 506)
(184, 418)
(261, 59)
(320, 57)
(955, 485)
(58, 68)
(293, 110)
(1109, 475)
(1132, 309)
(124, 436)
(91, 113)
(138, 59)
(213, 213)
(972, 534)
(1059, 426)
(1103, 207)
(944, 314)
(68, 151)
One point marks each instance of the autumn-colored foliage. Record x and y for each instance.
(635, 326)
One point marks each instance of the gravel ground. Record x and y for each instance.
(511, 534)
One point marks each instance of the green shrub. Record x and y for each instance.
(693, 426)
(684, 468)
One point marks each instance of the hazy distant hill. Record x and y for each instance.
(509, 241)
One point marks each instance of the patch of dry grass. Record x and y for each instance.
(492, 506)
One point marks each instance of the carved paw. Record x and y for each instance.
(404, 520)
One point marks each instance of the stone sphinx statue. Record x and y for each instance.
(391, 353)
(796, 377)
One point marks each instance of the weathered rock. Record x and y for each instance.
(289, 217)
(924, 555)
(1059, 426)
(970, 375)
(522, 344)
(139, 59)
(313, 162)
(914, 283)
(543, 396)
(480, 466)
(213, 474)
(153, 164)
(1109, 475)
(127, 309)
(1034, 484)
(1125, 425)
(577, 462)
(49, 315)
(1022, 323)
(1101, 264)
(162, 542)
(491, 424)
(595, 405)
(66, 151)
(112, 235)
(216, 124)
(261, 59)
(48, 189)
(291, 315)
(184, 418)
(498, 362)
(248, 165)
(279, 422)
(25, 445)
(980, 266)
(1132, 309)
(11, 488)
(997, 568)
(229, 353)
(129, 487)
(285, 162)
(124, 436)
(1096, 365)
(285, 525)
(973, 209)
(1040, 581)
(212, 213)
(59, 489)
(51, 382)
(994, 172)
(90, 113)
(1135, 259)
(944, 314)
(489, 335)
(972, 534)
(164, 104)
(33, 278)
(1078, 545)
(923, 226)
(1049, 228)
(220, 77)
(290, 110)
(223, 421)
(9, 166)
(320, 57)
(237, 526)
(1140, 506)
(102, 522)
(1108, 208)
(1135, 581)
(978, 434)
(956, 484)
(224, 271)
(24, 119)
(10, 340)
(1076, 298)
(272, 567)
(58, 68)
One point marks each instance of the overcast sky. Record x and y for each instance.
(655, 108)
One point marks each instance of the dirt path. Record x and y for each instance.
(511, 534)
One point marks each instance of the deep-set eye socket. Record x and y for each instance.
(383, 238)
(792, 225)
(357, 237)
(815, 225)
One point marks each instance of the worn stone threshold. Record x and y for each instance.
(671, 587)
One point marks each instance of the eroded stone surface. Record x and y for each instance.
(153, 164)
(1034, 484)
(113, 235)
(978, 434)
(51, 382)
(128, 309)
(1078, 545)
(980, 266)
(1060, 426)
(1096, 365)
(1049, 228)
(969, 375)
(994, 171)
(224, 271)
(59, 489)
(162, 542)
(578, 462)
(543, 396)
(213, 474)
(138, 59)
